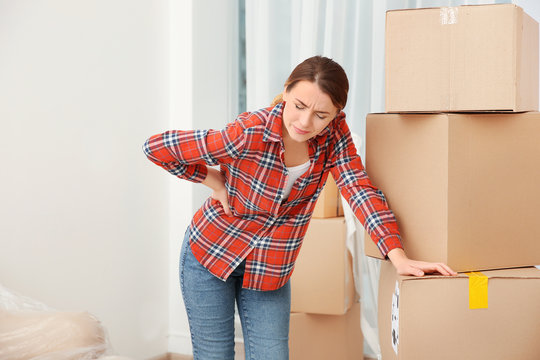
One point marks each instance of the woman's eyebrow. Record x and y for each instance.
(317, 111)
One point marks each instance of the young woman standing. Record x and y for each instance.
(242, 243)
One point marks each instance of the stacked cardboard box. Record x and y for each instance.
(315, 336)
(329, 201)
(322, 281)
(463, 187)
(491, 315)
(465, 58)
(325, 314)
(457, 157)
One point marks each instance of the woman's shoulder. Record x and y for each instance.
(254, 121)
(340, 126)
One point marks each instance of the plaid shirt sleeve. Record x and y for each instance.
(367, 202)
(186, 154)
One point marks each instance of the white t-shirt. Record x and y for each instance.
(294, 173)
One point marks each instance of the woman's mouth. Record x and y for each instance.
(299, 131)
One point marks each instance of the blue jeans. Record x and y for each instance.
(210, 304)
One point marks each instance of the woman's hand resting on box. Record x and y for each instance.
(406, 266)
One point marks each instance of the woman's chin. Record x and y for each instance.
(300, 138)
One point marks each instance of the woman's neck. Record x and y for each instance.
(296, 153)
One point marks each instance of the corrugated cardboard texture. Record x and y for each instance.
(329, 201)
(464, 187)
(485, 59)
(323, 337)
(407, 158)
(435, 321)
(322, 281)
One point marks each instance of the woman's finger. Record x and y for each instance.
(441, 268)
(449, 269)
(226, 208)
(417, 271)
(408, 269)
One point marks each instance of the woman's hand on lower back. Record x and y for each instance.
(215, 180)
(406, 266)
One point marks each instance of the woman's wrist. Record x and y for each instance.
(214, 179)
(397, 256)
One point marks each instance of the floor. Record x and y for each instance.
(187, 357)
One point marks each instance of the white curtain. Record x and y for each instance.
(282, 33)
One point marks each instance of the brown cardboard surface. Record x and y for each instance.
(323, 337)
(435, 321)
(465, 58)
(464, 187)
(322, 281)
(329, 202)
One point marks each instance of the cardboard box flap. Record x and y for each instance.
(448, 8)
(514, 273)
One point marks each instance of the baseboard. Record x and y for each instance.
(170, 356)
(160, 357)
(179, 357)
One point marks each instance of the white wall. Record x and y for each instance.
(84, 214)
(181, 199)
(204, 95)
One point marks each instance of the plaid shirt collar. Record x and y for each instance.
(274, 124)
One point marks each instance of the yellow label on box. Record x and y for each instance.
(478, 290)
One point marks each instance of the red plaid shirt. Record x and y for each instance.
(267, 230)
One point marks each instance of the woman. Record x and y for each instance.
(243, 242)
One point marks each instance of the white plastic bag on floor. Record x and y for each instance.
(31, 330)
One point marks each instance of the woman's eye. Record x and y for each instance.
(321, 116)
(299, 107)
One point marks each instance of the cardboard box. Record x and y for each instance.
(322, 281)
(434, 317)
(323, 337)
(329, 202)
(464, 187)
(464, 58)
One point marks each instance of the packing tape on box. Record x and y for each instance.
(478, 290)
(448, 15)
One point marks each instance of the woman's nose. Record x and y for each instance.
(305, 120)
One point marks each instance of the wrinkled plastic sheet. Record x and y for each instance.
(32, 330)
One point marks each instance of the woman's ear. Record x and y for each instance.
(284, 94)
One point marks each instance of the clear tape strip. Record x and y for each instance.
(448, 15)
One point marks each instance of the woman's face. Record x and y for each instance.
(307, 111)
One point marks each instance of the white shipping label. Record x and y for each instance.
(395, 319)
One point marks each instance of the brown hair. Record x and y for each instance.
(326, 73)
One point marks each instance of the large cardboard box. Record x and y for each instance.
(465, 58)
(464, 187)
(329, 202)
(322, 281)
(494, 315)
(323, 337)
